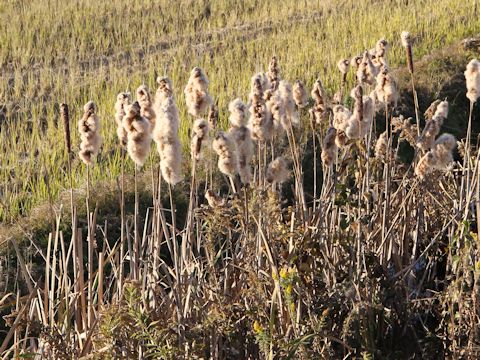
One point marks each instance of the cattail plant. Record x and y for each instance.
(225, 147)
(381, 48)
(200, 137)
(329, 147)
(242, 136)
(300, 95)
(381, 146)
(355, 61)
(366, 71)
(277, 171)
(319, 109)
(139, 134)
(407, 43)
(341, 117)
(343, 65)
(123, 99)
(438, 158)
(144, 98)
(432, 127)
(273, 73)
(286, 94)
(428, 114)
(260, 118)
(165, 133)
(386, 88)
(360, 122)
(213, 116)
(276, 108)
(89, 128)
(472, 77)
(226, 150)
(196, 93)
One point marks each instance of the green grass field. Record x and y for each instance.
(56, 51)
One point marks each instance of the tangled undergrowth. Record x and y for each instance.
(373, 257)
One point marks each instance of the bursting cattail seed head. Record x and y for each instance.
(200, 137)
(242, 137)
(260, 122)
(428, 114)
(343, 65)
(238, 113)
(366, 71)
(277, 171)
(329, 147)
(196, 93)
(273, 73)
(472, 77)
(226, 150)
(146, 106)
(166, 132)
(300, 94)
(386, 88)
(381, 146)
(123, 99)
(438, 158)
(286, 94)
(213, 116)
(89, 128)
(138, 131)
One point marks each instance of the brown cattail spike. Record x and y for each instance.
(407, 44)
(66, 126)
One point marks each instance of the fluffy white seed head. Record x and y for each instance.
(197, 97)
(260, 122)
(167, 116)
(386, 88)
(406, 39)
(123, 99)
(89, 128)
(243, 140)
(138, 133)
(438, 158)
(366, 71)
(381, 48)
(472, 77)
(441, 112)
(165, 133)
(200, 137)
(226, 150)
(381, 146)
(273, 73)
(170, 150)
(286, 93)
(318, 93)
(300, 94)
(343, 65)
(341, 115)
(238, 113)
(329, 147)
(146, 104)
(277, 171)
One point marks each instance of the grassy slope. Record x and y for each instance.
(55, 51)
